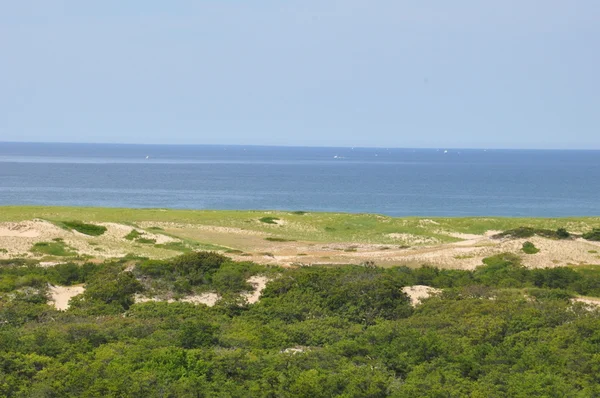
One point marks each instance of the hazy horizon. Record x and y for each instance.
(301, 146)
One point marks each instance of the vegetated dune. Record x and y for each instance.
(210, 299)
(411, 242)
(18, 238)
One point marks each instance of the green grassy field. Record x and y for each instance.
(322, 227)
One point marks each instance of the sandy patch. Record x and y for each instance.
(592, 302)
(259, 283)
(209, 299)
(427, 222)
(60, 295)
(295, 350)
(417, 293)
(199, 227)
(413, 239)
(17, 238)
(138, 299)
(18, 230)
(46, 264)
(459, 235)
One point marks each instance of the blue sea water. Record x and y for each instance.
(397, 182)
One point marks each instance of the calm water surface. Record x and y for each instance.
(398, 182)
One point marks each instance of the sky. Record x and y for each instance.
(372, 73)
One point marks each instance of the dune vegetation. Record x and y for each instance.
(499, 330)
(150, 302)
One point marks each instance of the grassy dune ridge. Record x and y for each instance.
(314, 226)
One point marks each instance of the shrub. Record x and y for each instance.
(111, 287)
(528, 232)
(529, 248)
(231, 280)
(592, 235)
(155, 268)
(86, 229)
(198, 267)
(521, 232)
(270, 239)
(133, 235)
(146, 240)
(269, 220)
(68, 274)
(502, 270)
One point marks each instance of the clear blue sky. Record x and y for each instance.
(392, 73)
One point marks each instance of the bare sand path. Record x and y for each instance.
(61, 295)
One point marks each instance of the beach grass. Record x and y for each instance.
(56, 248)
(313, 226)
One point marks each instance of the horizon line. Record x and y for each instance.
(300, 146)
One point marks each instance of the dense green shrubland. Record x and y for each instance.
(501, 330)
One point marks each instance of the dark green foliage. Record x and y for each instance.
(155, 268)
(271, 239)
(197, 267)
(528, 232)
(86, 229)
(146, 241)
(500, 331)
(529, 248)
(592, 235)
(109, 291)
(231, 279)
(197, 333)
(269, 220)
(298, 213)
(521, 232)
(376, 294)
(68, 274)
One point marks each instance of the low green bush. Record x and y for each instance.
(528, 232)
(86, 229)
(146, 241)
(529, 248)
(269, 220)
(133, 235)
(592, 235)
(271, 239)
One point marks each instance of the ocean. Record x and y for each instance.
(395, 182)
